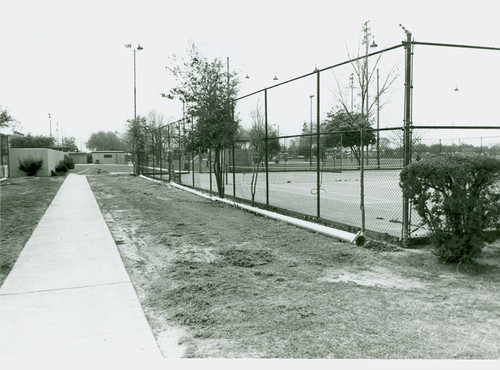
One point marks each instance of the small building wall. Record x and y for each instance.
(78, 157)
(50, 157)
(110, 157)
(4, 156)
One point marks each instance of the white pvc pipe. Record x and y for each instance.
(358, 238)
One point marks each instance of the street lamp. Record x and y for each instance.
(139, 47)
(310, 131)
(50, 126)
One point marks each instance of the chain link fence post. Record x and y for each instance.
(362, 179)
(407, 130)
(234, 173)
(318, 168)
(266, 155)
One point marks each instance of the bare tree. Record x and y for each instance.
(362, 78)
(258, 143)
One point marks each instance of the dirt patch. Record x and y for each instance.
(380, 278)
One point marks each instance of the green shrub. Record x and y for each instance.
(69, 162)
(457, 198)
(30, 165)
(63, 166)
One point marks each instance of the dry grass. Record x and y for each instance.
(232, 284)
(24, 200)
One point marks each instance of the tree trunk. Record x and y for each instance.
(355, 150)
(253, 183)
(219, 178)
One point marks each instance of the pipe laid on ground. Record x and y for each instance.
(345, 236)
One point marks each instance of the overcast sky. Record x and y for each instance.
(68, 58)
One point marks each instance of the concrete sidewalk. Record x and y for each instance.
(68, 293)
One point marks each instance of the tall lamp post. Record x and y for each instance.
(139, 47)
(136, 167)
(50, 125)
(310, 130)
(366, 42)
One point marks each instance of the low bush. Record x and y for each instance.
(69, 162)
(457, 198)
(30, 165)
(61, 168)
(66, 164)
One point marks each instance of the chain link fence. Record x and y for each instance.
(303, 164)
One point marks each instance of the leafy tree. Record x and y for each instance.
(292, 148)
(135, 141)
(105, 141)
(350, 126)
(29, 141)
(305, 142)
(5, 118)
(70, 143)
(209, 91)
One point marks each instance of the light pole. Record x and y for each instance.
(50, 126)
(366, 42)
(310, 130)
(137, 165)
(139, 47)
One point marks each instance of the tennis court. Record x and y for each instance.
(339, 199)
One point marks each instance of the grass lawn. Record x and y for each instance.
(216, 281)
(23, 201)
